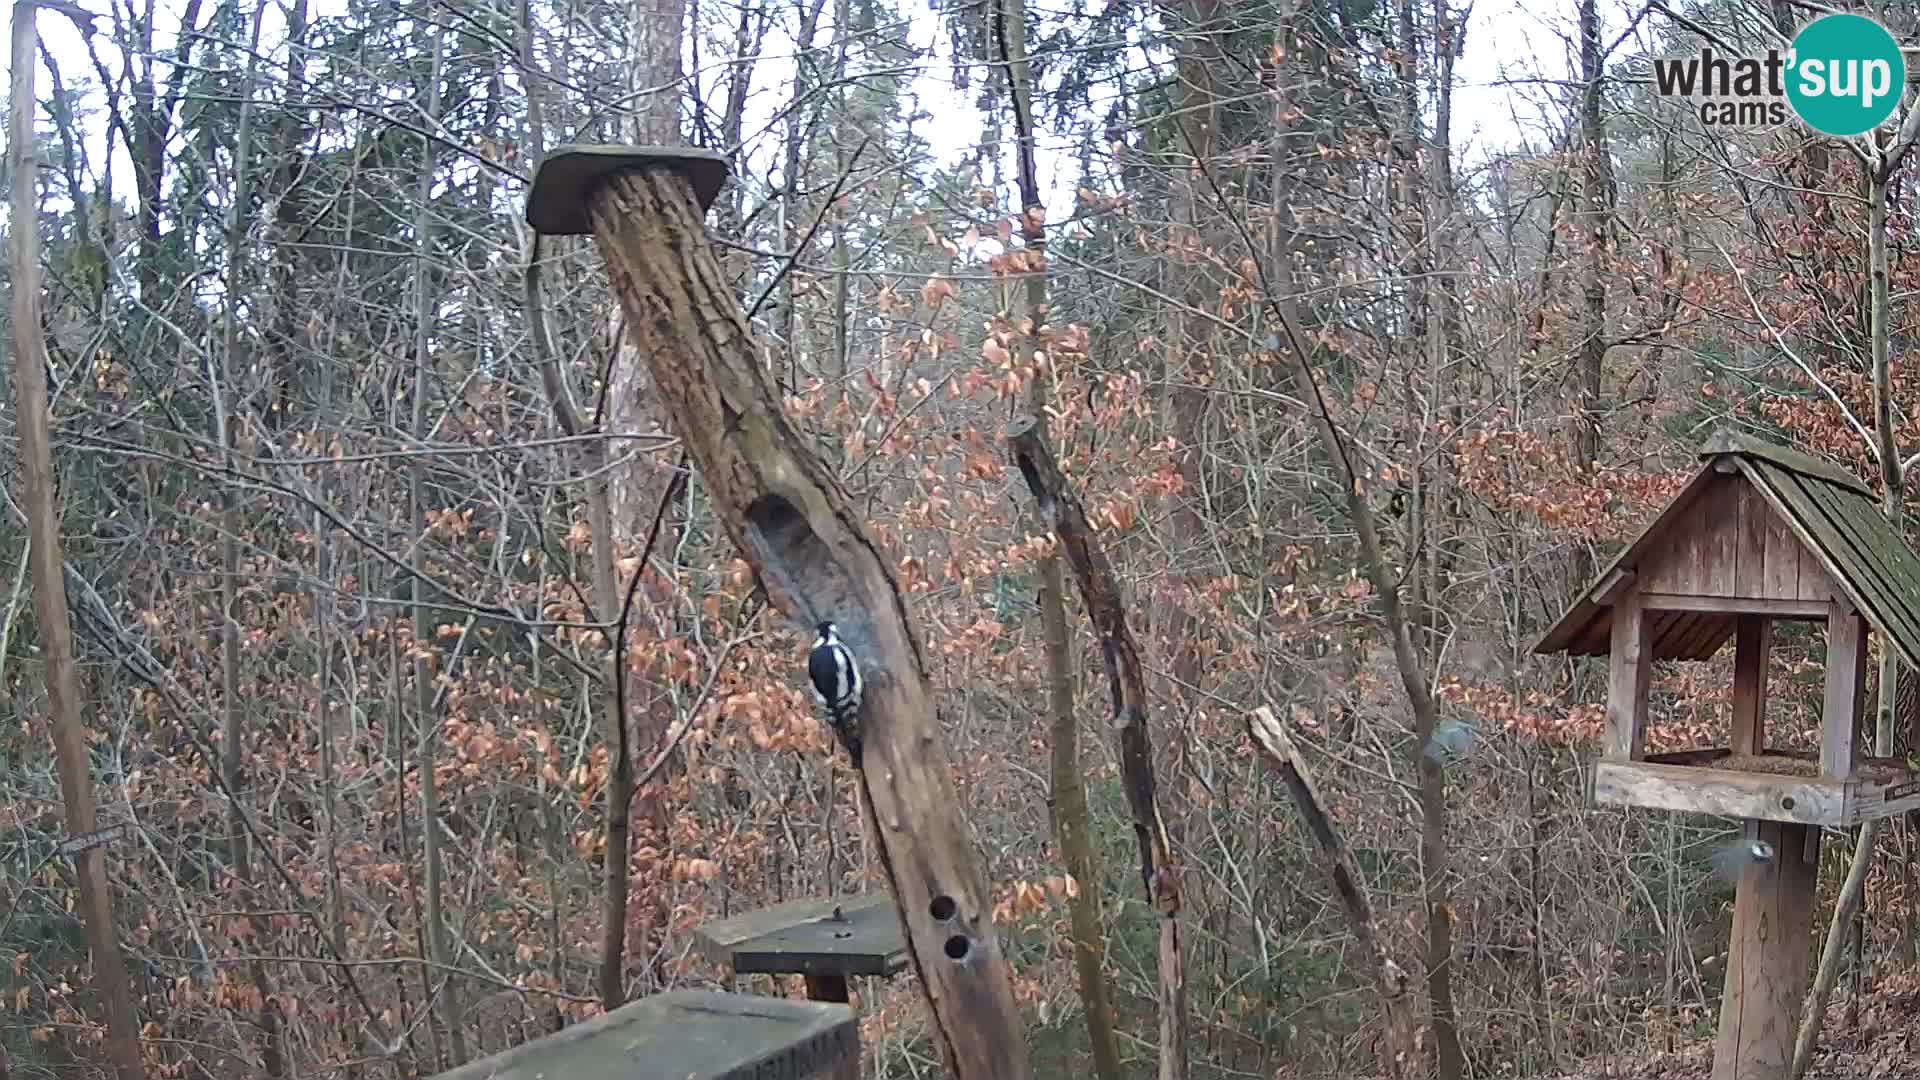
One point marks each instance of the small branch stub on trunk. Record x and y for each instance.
(800, 532)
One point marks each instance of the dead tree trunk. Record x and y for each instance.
(1389, 980)
(799, 530)
(45, 558)
(1121, 655)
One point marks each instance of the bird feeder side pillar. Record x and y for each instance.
(1767, 958)
(808, 546)
(1752, 644)
(1629, 671)
(1846, 690)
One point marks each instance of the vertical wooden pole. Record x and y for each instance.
(1629, 668)
(1767, 959)
(1846, 666)
(1753, 640)
(828, 988)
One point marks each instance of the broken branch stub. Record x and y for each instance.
(1126, 686)
(798, 530)
(1270, 738)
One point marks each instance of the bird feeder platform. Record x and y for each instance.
(689, 1035)
(825, 940)
(1776, 786)
(1761, 534)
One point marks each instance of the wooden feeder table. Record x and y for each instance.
(1761, 534)
(825, 940)
(689, 1035)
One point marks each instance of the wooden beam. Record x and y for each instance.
(1698, 789)
(1736, 605)
(1846, 670)
(1608, 589)
(1767, 958)
(1629, 669)
(1753, 640)
(809, 547)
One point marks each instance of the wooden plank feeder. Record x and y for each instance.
(827, 941)
(807, 543)
(689, 1035)
(1761, 534)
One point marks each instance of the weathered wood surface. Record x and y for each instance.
(1740, 444)
(804, 937)
(1269, 736)
(1795, 609)
(1881, 787)
(1845, 691)
(1753, 643)
(1767, 959)
(809, 548)
(1126, 686)
(689, 1035)
(1629, 670)
(1722, 792)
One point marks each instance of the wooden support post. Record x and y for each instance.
(1629, 670)
(828, 988)
(809, 548)
(1767, 958)
(1846, 667)
(1753, 640)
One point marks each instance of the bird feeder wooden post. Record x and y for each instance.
(1760, 535)
(827, 941)
(808, 547)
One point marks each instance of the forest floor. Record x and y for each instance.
(1880, 1040)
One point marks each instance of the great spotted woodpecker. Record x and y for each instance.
(836, 684)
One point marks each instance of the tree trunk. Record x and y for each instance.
(46, 559)
(1595, 229)
(233, 764)
(1126, 685)
(1071, 826)
(799, 531)
(426, 757)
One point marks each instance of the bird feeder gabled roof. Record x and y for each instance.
(1834, 517)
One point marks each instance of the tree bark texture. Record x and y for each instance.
(797, 527)
(1100, 592)
(46, 559)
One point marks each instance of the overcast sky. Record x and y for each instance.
(1515, 56)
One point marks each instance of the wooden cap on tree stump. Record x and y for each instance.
(689, 1035)
(564, 183)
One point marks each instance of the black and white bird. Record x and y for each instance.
(837, 684)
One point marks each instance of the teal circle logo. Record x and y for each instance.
(1846, 74)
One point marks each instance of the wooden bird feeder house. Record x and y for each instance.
(1761, 534)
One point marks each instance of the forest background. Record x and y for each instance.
(348, 495)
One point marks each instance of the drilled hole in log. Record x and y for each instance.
(801, 565)
(942, 908)
(958, 946)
